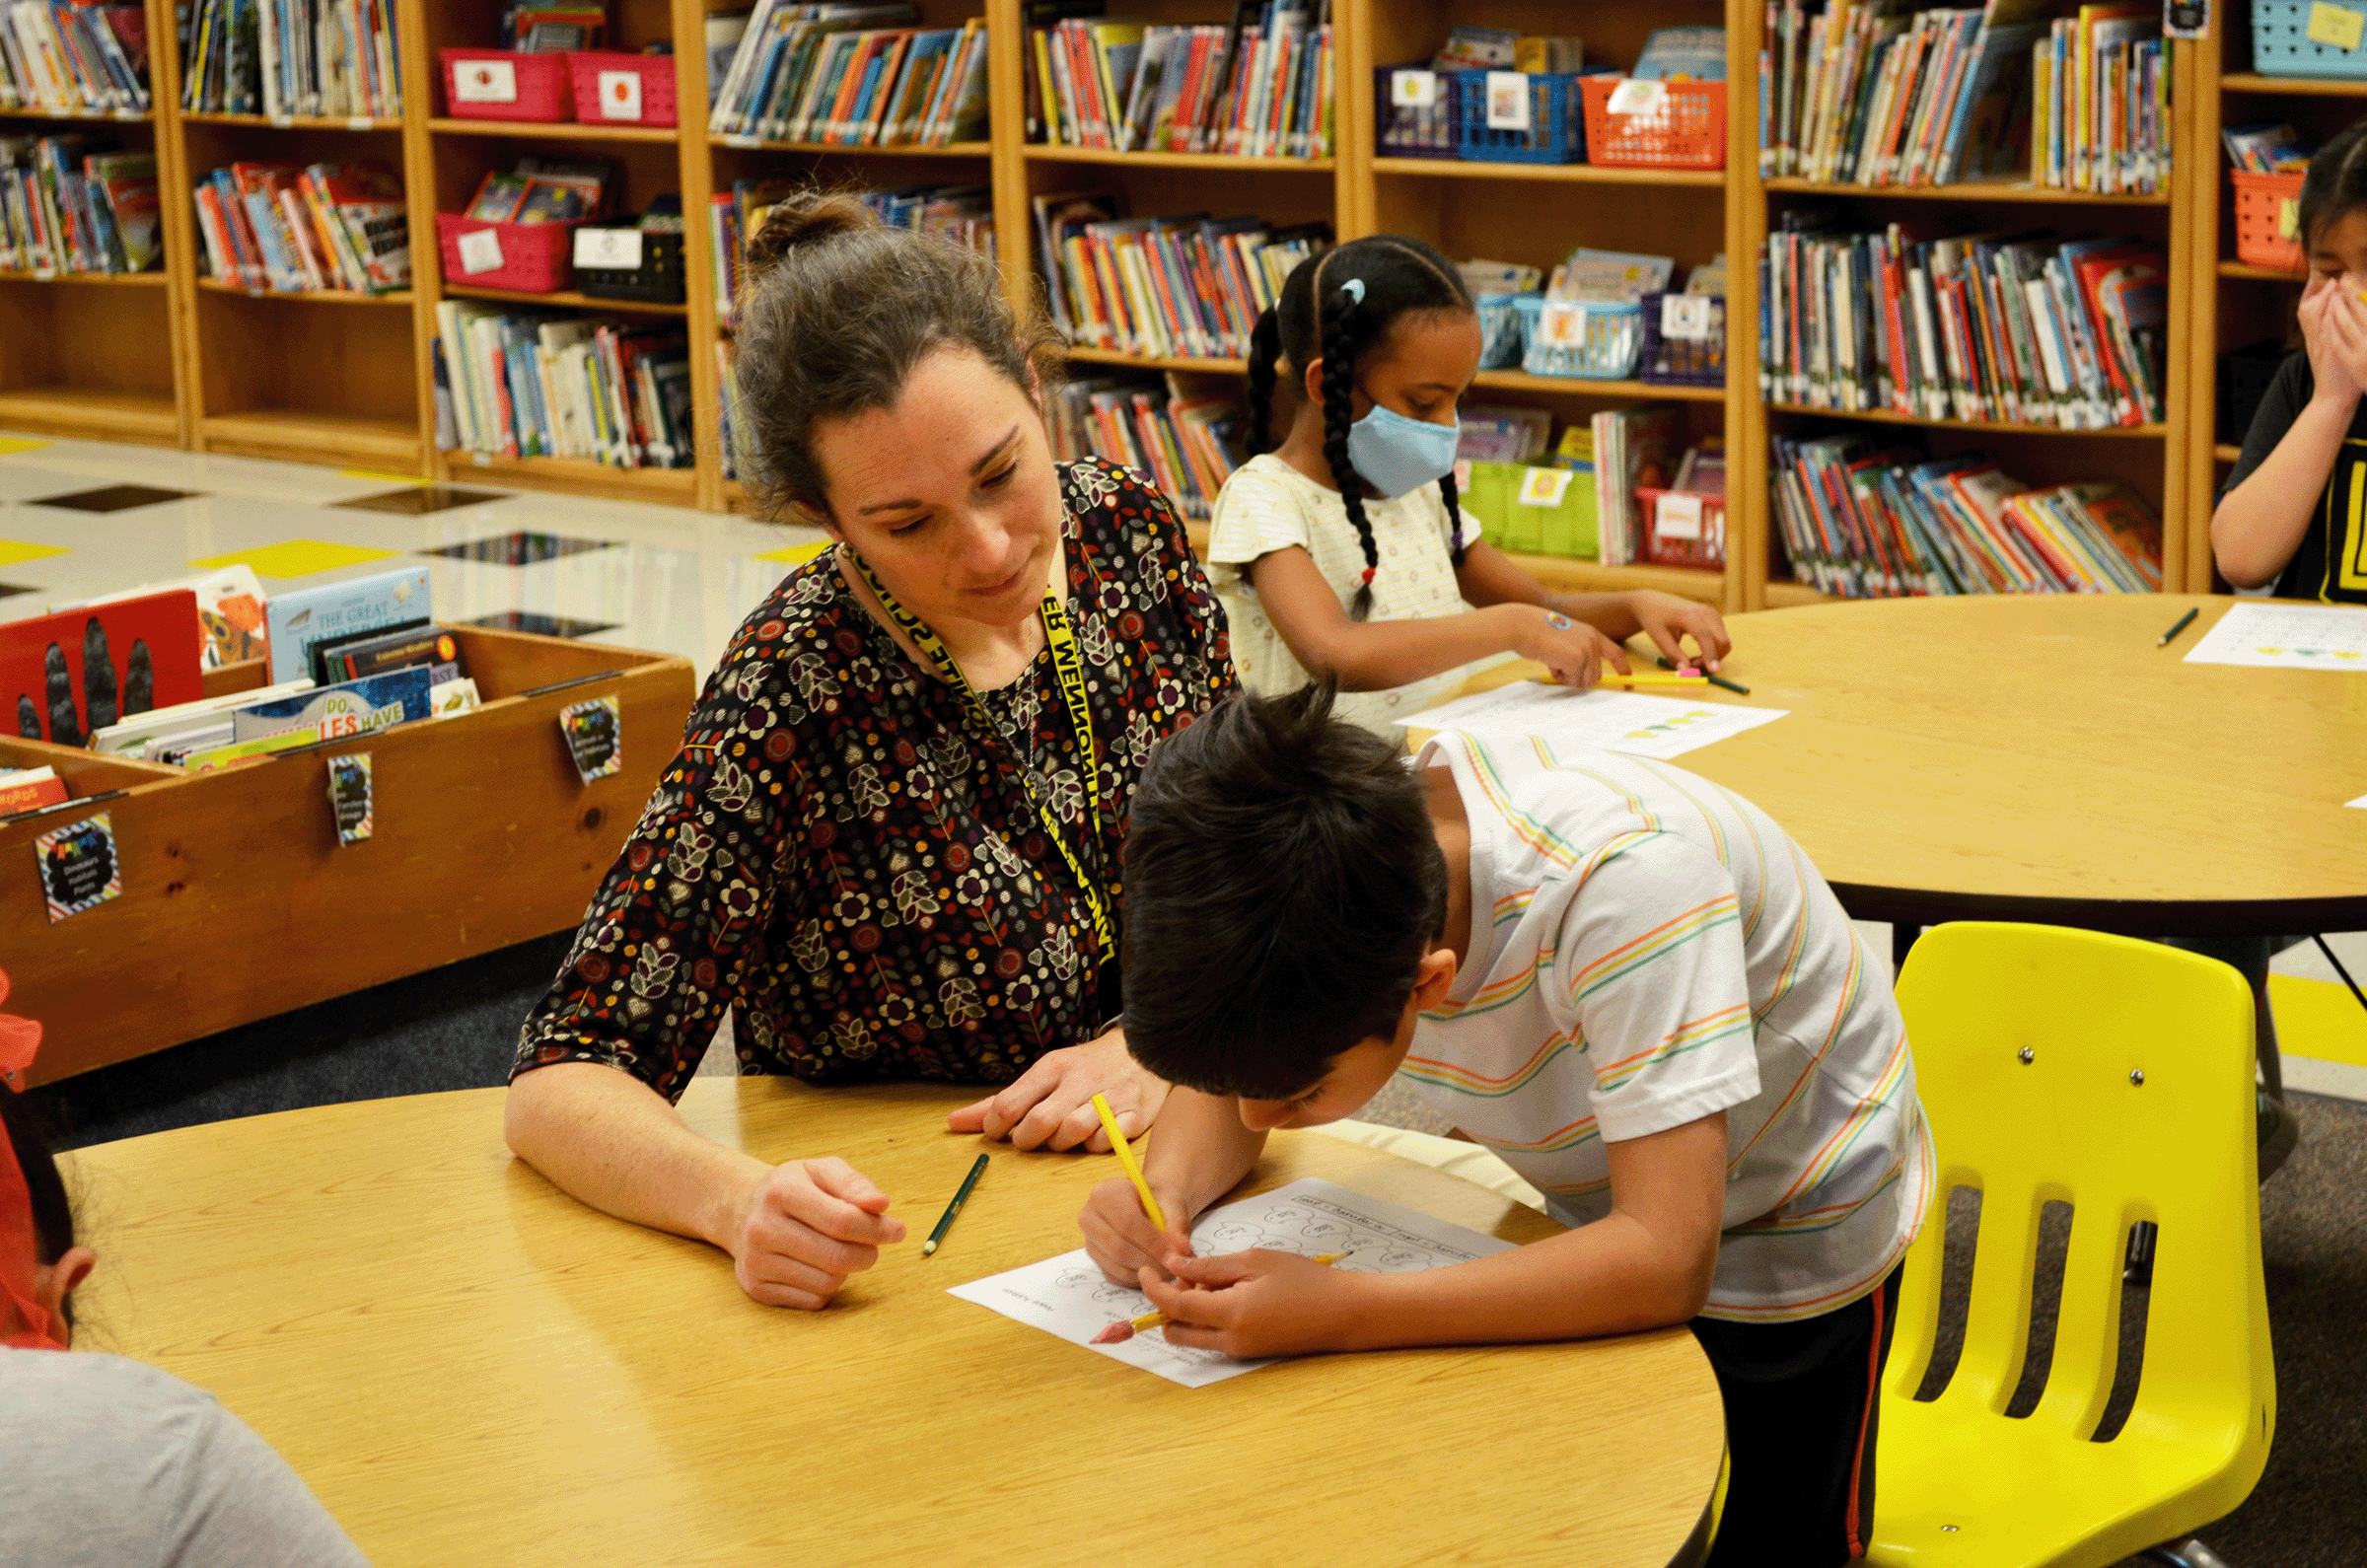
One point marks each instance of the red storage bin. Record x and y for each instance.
(1702, 543)
(605, 97)
(1686, 131)
(2267, 230)
(498, 84)
(530, 258)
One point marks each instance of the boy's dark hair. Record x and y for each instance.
(52, 1213)
(2336, 183)
(1282, 884)
(1318, 316)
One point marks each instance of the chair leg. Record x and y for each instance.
(2192, 1554)
(1902, 942)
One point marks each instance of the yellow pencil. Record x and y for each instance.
(1125, 1158)
(1648, 678)
(1117, 1333)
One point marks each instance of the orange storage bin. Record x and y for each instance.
(1686, 131)
(2267, 222)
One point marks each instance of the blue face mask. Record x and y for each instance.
(1396, 454)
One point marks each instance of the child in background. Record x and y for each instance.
(2294, 513)
(1625, 979)
(1343, 553)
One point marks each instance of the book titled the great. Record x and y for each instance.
(299, 618)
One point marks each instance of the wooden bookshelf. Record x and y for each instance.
(170, 358)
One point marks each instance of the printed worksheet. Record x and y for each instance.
(1616, 721)
(1067, 1296)
(2287, 637)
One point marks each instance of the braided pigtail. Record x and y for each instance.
(1341, 342)
(1447, 493)
(1265, 347)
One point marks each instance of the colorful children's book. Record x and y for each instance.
(67, 674)
(354, 707)
(299, 619)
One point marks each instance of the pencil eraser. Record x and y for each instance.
(1687, 669)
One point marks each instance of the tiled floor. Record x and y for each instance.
(653, 577)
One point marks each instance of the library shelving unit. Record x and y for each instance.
(171, 359)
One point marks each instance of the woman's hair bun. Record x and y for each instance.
(805, 218)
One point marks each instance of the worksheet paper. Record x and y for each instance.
(1067, 1296)
(1616, 721)
(2287, 637)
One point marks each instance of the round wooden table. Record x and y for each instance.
(2038, 757)
(469, 1367)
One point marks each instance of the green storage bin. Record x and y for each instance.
(1515, 514)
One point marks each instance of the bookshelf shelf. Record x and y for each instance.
(1550, 173)
(2305, 86)
(567, 298)
(120, 118)
(139, 280)
(93, 413)
(340, 122)
(2244, 269)
(1112, 356)
(308, 435)
(400, 298)
(580, 476)
(1580, 386)
(1566, 575)
(2011, 190)
(1784, 594)
(2221, 452)
(1884, 416)
(554, 130)
(1045, 153)
(751, 144)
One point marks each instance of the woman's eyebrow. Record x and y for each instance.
(977, 468)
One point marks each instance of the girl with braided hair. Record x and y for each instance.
(1344, 551)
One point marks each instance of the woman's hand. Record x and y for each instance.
(1666, 620)
(1120, 1237)
(1258, 1303)
(1572, 651)
(2335, 330)
(1050, 1105)
(807, 1226)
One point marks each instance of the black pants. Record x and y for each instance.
(1801, 1400)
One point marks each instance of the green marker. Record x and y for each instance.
(951, 1209)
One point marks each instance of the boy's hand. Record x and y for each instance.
(1667, 620)
(1120, 1237)
(1050, 1105)
(1258, 1303)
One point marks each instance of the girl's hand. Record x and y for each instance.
(2335, 333)
(1665, 619)
(1571, 650)
(1258, 1303)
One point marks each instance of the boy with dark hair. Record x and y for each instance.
(1625, 980)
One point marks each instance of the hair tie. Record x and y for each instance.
(1368, 577)
(1354, 290)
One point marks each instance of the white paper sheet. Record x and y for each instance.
(1067, 1296)
(2287, 637)
(1616, 721)
(2360, 801)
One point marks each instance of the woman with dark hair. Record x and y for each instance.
(105, 1460)
(2291, 515)
(891, 841)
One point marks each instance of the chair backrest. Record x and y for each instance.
(2116, 1075)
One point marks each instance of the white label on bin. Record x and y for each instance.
(1508, 101)
(2335, 26)
(485, 82)
(612, 249)
(1636, 97)
(1413, 88)
(1679, 517)
(1562, 325)
(2288, 219)
(1544, 486)
(620, 95)
(359, 122)
(481, 251)
(282, 121)
(1685, 318)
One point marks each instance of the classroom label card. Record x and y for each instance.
(1067, 1296)
(349, 796)
(595, 737)
(1616, 721)
(481, 251)
(80, 868)
(2286, 637)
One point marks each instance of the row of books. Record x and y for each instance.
(1861, 522)
(2027, 329)
(533, 383)
(1188, 287)
(306, 230)
(288, 57)
(961, 215)
(81, 58)
(69, 204)
(1258, 88)
(2100, 102)
(2268, 149)
(853, 75)
(1186, 443)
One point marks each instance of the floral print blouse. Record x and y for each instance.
(840, 854)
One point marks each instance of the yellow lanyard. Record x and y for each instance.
(1063, 640)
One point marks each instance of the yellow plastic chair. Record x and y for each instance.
(2115, 1076)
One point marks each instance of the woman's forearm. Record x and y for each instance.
(2262, 522)
(607, 1139)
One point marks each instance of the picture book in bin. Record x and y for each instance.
(66, 675)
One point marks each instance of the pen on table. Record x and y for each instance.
(1117, 1332)
(1125, 1158)
(1711, 676)
(2183, 622)
(951, 1209)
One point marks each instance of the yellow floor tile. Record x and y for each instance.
(14, 444)
(296, 558)
(14, 550)
(2318, 1019)
(376, 477)
(795, 554)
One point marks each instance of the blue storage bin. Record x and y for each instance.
(2281, 44)
(1610, 336)
(1503, 329)
(1556, 132)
